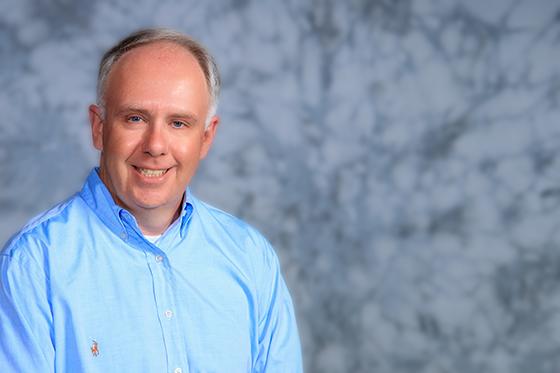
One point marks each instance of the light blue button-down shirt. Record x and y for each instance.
(82, 290)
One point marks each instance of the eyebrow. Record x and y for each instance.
(133, 109)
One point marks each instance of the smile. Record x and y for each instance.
(151, 173)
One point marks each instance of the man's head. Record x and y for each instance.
(155, 120)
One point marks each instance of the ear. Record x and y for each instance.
(208, 136)
(96, 121)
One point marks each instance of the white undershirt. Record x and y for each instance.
(152, 239)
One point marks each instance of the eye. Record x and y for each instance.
(134, 119)
(179, 124)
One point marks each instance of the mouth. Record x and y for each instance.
(147, 172)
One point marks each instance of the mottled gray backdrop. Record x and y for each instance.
(402, 156)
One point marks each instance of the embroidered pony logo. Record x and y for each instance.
(94, 348)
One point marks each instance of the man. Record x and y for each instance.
(133, 273)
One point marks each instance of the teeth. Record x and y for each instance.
(151, 173)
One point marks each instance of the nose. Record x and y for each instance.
(156, 142)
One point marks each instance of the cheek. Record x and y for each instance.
(119, 146)
(186, 151)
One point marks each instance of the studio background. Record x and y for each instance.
(402, 157)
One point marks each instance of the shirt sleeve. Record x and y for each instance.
(279, 345)
(25, 317)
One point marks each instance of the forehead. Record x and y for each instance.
(159, 51)
(155, 63)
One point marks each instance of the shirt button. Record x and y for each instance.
(159, 258)
(178, 370)
(123, 235)
(169, 314)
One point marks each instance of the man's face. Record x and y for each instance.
(152, 136)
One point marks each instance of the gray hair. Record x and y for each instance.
(152, 35)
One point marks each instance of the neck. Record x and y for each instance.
(153, 223)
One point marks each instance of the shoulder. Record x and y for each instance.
(37, 231)
(238, 234)
(243, 244)
(213, 217)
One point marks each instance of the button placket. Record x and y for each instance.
(165, 303)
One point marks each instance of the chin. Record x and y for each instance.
(146, 201)
(150, 204)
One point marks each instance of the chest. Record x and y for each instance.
(148, 312)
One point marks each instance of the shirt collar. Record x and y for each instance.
(186, 211)
(117, 219)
